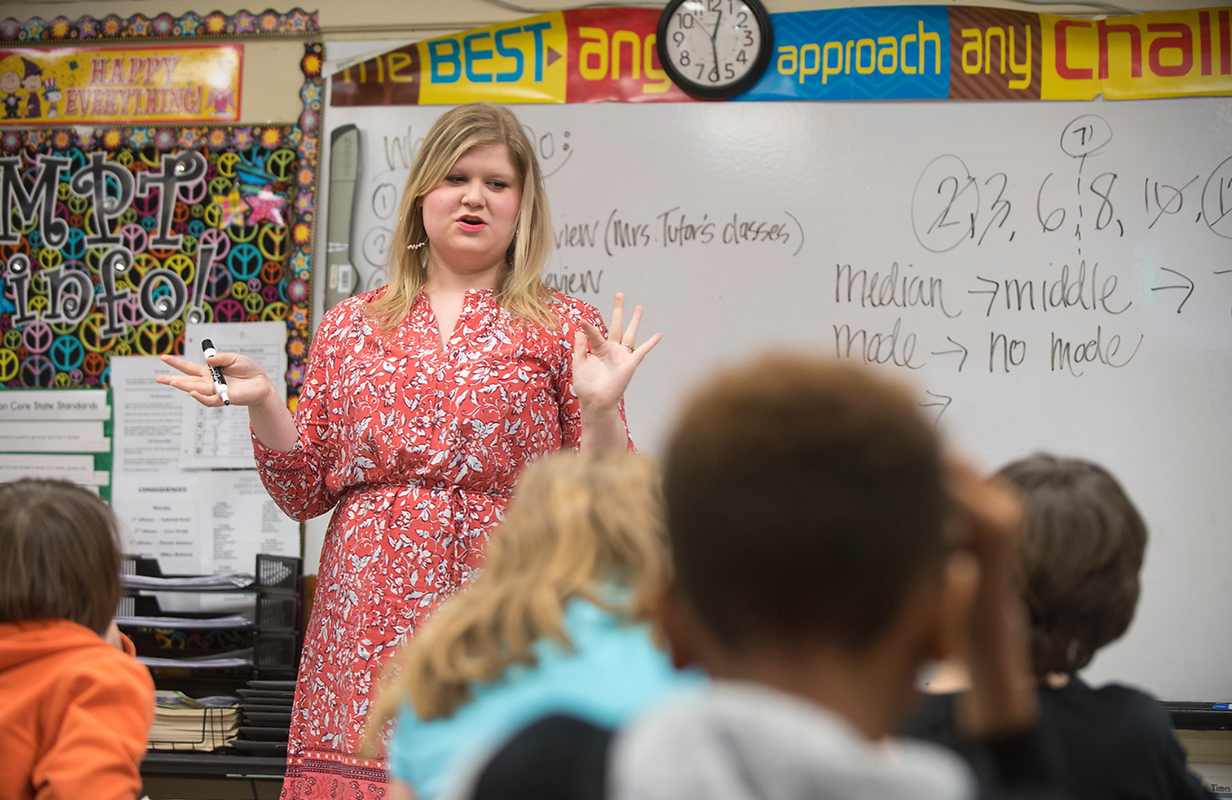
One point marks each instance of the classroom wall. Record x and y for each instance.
(272, 77)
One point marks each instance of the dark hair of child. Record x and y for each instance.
(815, 492)
(1080, 590)
(59, 556)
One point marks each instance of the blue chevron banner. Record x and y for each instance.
(879, 53)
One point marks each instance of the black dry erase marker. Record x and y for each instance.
(220, 383)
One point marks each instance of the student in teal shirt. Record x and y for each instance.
(556, 621)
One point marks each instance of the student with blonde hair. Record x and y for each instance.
(555, 621)
(421, 402)
(75, 711)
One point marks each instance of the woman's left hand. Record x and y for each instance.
(603, 367)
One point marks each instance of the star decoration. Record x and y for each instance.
(298, 21)
(233, 208)
(268, 206)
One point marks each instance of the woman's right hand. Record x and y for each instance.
(247, 383)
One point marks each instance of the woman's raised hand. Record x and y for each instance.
(247, 384)
(603, 367)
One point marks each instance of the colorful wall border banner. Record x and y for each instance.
(296, 22)
(303, 231)
(876, 53)
(76, 85)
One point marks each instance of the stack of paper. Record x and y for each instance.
(228, 659)
(182, 723)
(225, 580)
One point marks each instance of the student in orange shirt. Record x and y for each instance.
(75, 710)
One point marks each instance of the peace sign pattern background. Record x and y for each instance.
(209, 224)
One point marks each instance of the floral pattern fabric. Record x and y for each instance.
(418, 445)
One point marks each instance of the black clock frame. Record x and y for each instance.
(706, 91)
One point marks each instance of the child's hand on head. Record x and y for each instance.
(988, 515)
(988, 524)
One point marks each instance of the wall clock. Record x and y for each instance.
(715, 49)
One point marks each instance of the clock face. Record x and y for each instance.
(714, 48)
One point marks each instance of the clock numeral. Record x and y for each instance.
(743, 57)
(728, 71)
(678, 37)
(684, 58)
(715, 5)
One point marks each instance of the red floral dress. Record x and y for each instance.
(418, 446)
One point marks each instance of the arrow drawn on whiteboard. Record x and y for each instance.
(1189, 288)
(996, 287)
(944, 405)
(960, 349)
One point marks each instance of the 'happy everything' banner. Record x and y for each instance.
(878, 53)
(164, 84)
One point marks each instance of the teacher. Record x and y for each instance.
(422, 401)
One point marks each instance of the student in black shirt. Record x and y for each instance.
(1080, 558)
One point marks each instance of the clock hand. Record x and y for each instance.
(714, 48)
(703, 27)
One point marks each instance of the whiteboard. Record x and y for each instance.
(1049, 276)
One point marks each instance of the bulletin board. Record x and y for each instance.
(115, 237)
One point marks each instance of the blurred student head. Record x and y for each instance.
(1082, 552)
(580, 525)
(59, 556)
(805, 503)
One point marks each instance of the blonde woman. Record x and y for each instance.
(554, 622)
(421, 402)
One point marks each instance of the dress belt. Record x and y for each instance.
(430, 485)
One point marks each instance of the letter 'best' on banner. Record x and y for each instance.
(132, 84)
(875, 53)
